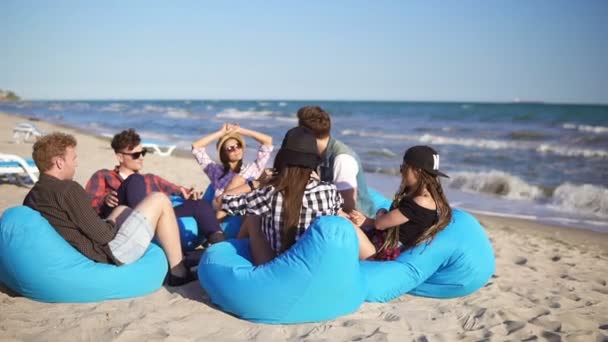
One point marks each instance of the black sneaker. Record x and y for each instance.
(173, 280)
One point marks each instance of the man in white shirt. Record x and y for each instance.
(341, 164)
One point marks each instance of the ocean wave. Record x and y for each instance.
(382, 152)
(56, 107)
(489, 144)
(586, 128)
(176, 113)
(585, 199)
(528, 135)
(233, 113)
(470, 142)
(496, 183)
(282, 104)
(377, 134)
(571, 151)
(114, 107)
(588, 198)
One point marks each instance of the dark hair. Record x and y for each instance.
(291, 183)
(226, 162)
(433, 185)
(125, 140)
(315, 119)
(50, 146)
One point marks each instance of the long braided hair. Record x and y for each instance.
(433, 185)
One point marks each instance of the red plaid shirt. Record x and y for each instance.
(104, 180)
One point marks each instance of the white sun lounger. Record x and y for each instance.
(157, 147)
(12, 165)
(25, 131)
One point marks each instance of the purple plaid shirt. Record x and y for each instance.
(215, 171)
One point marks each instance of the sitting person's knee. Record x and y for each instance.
(159, 197)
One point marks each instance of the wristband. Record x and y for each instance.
(250, 183)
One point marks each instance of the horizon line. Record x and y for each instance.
(515, 101)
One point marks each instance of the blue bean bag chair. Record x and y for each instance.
(36, 262)
(316, 279)
(188, 229)
(457, 262)
(320, 277)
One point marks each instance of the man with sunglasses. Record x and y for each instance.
(125, 185)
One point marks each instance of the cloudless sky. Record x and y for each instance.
(554, 51)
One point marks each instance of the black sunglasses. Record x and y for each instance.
(233, 147)
(136, 155)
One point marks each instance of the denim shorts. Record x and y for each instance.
(132, 239)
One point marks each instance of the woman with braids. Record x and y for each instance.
(419, 211)
(288, 202)
(230, 148)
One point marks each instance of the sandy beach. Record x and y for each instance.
(550, 284)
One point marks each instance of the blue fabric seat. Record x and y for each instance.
(320, 277)
(36, 262)
(316, 279)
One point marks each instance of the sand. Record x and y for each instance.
(550, 284)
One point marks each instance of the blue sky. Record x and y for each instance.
(554, 51)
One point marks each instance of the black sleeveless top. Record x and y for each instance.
(420, 219)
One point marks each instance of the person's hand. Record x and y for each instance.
(266, 176)
(190, 194)
(224, 129)
(381, 212)
(357, 218)
(232, 127)
(111, 198)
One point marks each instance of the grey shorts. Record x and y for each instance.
(133, 237)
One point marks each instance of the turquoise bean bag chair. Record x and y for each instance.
(320, 277)
(316, 279)
(456, 263)
(36, 262)
(188, 229)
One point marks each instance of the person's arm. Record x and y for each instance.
(96, 188)
(84, 217)
(167, 187)
(345, 178)
(262, 138)
(207, 139)
(256, 202)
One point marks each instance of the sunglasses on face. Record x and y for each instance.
(233, 148)
(136, 155)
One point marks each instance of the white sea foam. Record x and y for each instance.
(586, 198)
(572, 151)
(470, 142)
(282, 104)
(176, 113)
(56, 107)
(495, 182)
(586, 128)
(233, 113)
(114, 107)
(489, 144)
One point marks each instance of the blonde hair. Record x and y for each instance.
(50, 146)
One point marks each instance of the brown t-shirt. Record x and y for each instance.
(67, 207)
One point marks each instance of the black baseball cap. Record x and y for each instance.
(299, 148)
(425, 158)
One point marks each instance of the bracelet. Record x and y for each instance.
(250, 183)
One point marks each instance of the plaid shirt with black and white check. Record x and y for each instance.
(320, 199)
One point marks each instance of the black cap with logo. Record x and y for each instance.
(425, 158)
